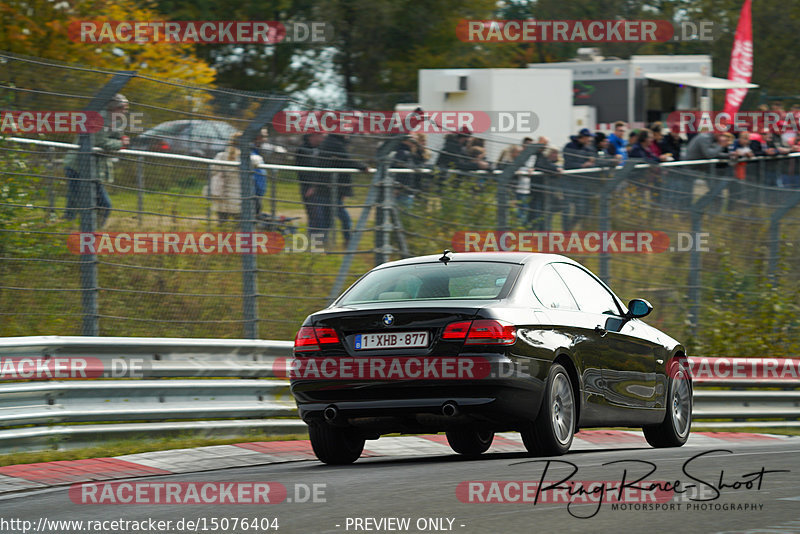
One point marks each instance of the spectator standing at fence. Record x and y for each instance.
(605, 156)
(109, 139)
(705, 145)
(579, 153)
(522, 180)
(542, 196)
(313, 186)
(643, 149)
(410, 155)
(422, 154)
(617, 142)
(264, 152)
(454, 151)
(334, 154)
(259, 175)
(771, 145)
(633, 138)
(454, 155)
(226, 182)
(671, 143)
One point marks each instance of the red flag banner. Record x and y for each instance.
(741, 68)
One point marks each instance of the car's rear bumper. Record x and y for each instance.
(417, 406)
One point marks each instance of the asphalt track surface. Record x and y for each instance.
(423, 489)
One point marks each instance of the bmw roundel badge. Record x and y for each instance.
(388, 319)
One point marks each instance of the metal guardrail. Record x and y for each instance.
(214, 387)
(229, 387)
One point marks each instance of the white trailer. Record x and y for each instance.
(504, 94)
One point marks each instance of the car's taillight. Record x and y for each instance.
(310, 338)
(164, 146)
(326, 335)
(456, 330)
(306, 339)
(481, 332)
(488, 331)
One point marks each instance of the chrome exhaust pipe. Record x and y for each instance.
(330, 413)
(450, 409)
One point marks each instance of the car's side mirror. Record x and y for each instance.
(638, 308)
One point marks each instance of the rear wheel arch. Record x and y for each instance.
(572, 371)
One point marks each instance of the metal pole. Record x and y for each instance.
(272, 176)
(352, 245)
(386, 227)
(330, 237)
(695, 260)
(51, 194)
(209, 195)
(248, 212)
(87, 203)
(379, 214)
(140, 187)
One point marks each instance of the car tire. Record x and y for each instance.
(469, 441)
(335, 446)
(674, 430)
(552, 432)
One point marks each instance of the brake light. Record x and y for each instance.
(491, 332)
(481, 332)
(326, 335)
(456, 330)
(309, 338)
(306, 339)
(164, 146)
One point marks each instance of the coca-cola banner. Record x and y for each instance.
(741, 68)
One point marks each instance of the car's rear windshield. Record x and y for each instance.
(433, 281)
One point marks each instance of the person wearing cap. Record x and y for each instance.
(578, 153)
(109, 139)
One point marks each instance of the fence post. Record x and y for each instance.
(605, 216)
(51, 179)
(774, 233)
(140, 187)
(264, 116)
(373, 198)
(383, 214)
(87, 201)
(695, 262)
(330, 232)
(272, 176)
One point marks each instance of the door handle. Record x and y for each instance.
(600, 330)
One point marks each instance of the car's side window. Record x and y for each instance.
(591, 296)
(551, 291)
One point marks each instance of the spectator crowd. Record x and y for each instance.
(535, 197)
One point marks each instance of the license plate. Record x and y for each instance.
(394, 340)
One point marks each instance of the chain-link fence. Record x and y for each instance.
(714, 242)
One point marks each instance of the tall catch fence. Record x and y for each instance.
(721, 260)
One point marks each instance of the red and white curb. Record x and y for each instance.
(15, 478)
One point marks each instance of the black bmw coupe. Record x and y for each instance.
(477, 343)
